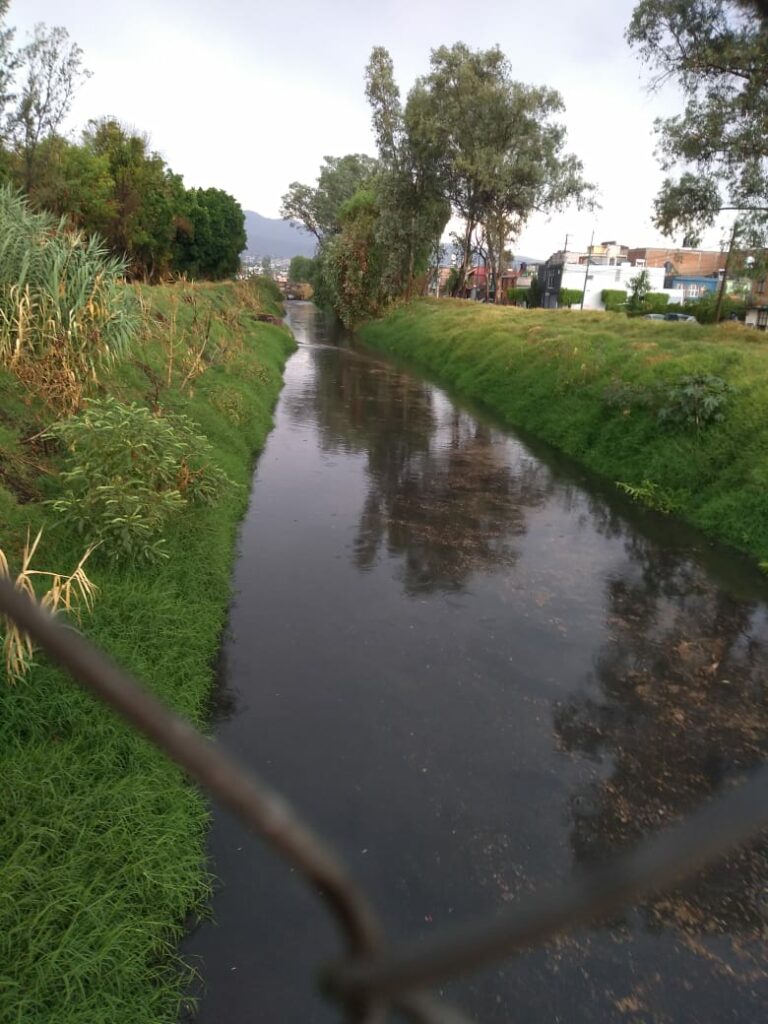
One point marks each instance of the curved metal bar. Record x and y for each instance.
(679, 850)
(255, 803)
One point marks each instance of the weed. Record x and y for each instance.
(70, 593)
(651, 495)
(695, 400)
(129, 472)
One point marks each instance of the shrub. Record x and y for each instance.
(695, 400)
(704, 308)
(651, 495)
(569, 296)
(128, 471)
(613, 298)
(518, 296)
(655, 302)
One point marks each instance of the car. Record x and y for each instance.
(679, 316)
(654, 316)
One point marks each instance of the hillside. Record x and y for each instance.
(270, 236)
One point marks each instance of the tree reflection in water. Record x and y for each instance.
(444, 494)
(680, 714)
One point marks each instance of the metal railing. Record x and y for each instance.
(376, 977)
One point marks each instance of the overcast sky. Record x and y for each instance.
(249, 95)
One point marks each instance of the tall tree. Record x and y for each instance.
(318, 208)
(210, 234)
(51, 69)
(499, 148)
(412, 201)
(716, 151)
(147, 198)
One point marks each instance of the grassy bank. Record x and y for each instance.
(101, 844)
(617, 394)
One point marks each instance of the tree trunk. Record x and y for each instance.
(721, 290)
(465, 259)
(409, 286)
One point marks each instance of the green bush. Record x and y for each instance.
(613, 298)
(704, 308)
(518, 296)
(128, 471)
(655, 302)
(695, 400)
(569, 296)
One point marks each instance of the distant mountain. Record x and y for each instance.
(270, 236)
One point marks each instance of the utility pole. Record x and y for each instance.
(721, 291)
(586, 273)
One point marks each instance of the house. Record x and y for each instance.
(680, 262)
(693, 286)
(561, 271)
(757, 306)
(476, 283)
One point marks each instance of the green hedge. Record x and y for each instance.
(518, 296)
(613, 298)
(569, 296)
(655, 302)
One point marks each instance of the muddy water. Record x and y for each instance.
(476, 670)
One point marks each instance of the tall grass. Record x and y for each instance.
(102, 841)
(64, 311)
(557, 373)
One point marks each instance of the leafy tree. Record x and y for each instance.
(8, 62)
(266, 266)
(413, 207)
(52, 68)
(302, 269)
(351, 262)
(318, 209)
(716, 51)
(210, 235)
(74, 182)
(147, 198)
(495, 144)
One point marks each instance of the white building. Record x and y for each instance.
(600, 278)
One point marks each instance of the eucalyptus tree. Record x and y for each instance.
(715, 152)
(318, 208)
(412, 200)
(496, 144)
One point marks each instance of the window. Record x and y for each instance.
(761, 287)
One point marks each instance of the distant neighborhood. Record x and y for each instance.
(601, 273)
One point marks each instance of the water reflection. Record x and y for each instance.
(676, 706)
(475, 669)
(445, 492)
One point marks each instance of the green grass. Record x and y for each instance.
(101, 840)
(548, 372)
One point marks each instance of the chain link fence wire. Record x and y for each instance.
(376, 978)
